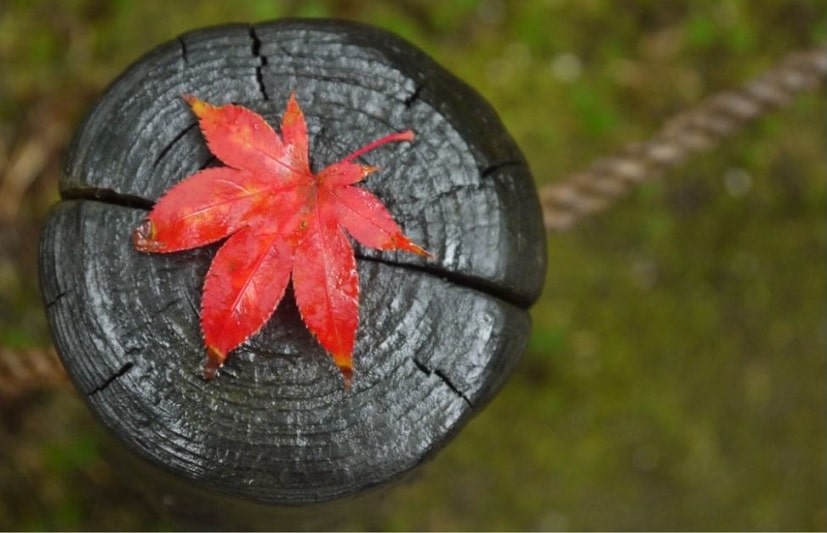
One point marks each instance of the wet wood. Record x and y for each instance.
(437, 338)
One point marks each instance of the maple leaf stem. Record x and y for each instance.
(407, 135)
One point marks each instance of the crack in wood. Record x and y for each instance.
(414, 96)
(255, 47)
(111, 379)
(107, 196)
(57, 297)
(184, 54)
(455, 278)
(443, 377)
(491, 169)
(171, 144)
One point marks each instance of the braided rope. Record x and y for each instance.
(25, 370)
(697, 130)
(581, 195)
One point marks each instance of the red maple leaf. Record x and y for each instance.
(281, 220)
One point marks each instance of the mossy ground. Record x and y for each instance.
(675, 378)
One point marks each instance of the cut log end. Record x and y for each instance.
(436, 338)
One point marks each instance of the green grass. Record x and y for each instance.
(675, 376)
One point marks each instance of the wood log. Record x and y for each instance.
(436, 338)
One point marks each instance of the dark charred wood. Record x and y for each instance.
(437, 338)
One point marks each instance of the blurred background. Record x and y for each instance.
(675, 378)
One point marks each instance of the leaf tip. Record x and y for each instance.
(199, 107)
(143, 238)
(293, 114)
(345, 364)
(367, 170)
(420, 251)
(214, 361)
(401, 242)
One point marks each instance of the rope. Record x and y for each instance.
(697, 130)
(581, 195)
(25, 370)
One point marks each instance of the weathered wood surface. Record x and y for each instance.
(436, 338)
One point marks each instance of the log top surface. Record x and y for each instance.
(436, 339)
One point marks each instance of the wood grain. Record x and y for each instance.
(437, 338)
